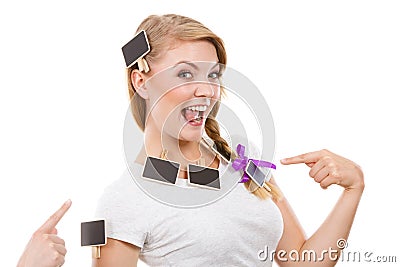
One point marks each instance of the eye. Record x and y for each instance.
(185, 74)
(214, 75)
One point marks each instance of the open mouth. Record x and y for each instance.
(194, 115)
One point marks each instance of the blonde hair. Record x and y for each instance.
(161, 32)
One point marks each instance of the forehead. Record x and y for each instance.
(187, 51)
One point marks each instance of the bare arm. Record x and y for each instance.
(327, 168)
(117, 253)
(293, 236)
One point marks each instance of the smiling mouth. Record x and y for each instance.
(194, 115)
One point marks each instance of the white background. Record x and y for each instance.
(329, 71)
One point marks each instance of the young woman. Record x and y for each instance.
(232, 230)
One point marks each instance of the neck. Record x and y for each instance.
(178, 150)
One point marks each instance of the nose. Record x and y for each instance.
(205, 90)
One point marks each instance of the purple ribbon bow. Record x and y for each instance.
(240, 163)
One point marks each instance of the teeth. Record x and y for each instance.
(197, 108)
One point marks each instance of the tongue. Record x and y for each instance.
(190, 114)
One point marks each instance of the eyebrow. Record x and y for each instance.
(192, 64)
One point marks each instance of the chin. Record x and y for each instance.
(191, 135)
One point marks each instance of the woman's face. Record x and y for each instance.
(183, 90)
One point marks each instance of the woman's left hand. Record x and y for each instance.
(328, 168)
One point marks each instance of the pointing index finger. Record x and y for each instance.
(51, 222)
(306, 158)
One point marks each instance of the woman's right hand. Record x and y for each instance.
(46, 249)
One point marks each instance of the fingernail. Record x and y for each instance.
(68, 202)
(283, 160)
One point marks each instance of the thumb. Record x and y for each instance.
(49, 226)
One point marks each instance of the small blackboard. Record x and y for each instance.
(93, 233)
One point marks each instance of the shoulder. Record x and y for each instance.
(123, 199)
(119, 188)
(126, 210)
(122, 192)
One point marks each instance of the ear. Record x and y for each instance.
(138, 80)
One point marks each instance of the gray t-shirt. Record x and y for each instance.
(231, 231)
